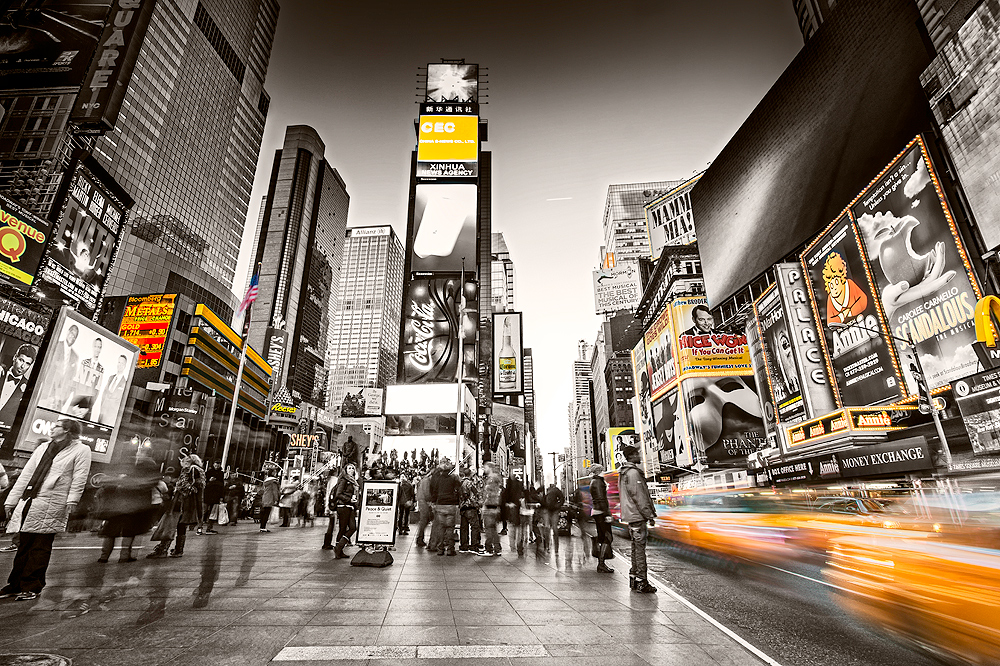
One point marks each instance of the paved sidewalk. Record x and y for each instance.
(242, 597)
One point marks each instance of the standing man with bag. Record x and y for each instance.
(40, 503)
(602, 517)
(637, 510)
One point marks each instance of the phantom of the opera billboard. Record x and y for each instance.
(925, 282)
(432, 322)
(85, 376)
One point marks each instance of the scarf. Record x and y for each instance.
(44, 467)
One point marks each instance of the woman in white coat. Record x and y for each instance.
(40, 504)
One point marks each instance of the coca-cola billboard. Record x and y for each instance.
(432, 318)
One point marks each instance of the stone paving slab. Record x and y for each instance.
(242, 597)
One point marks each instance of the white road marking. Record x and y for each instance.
(814, 580)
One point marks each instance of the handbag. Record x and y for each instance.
(166, 529)
(222, 514)
(595, 547)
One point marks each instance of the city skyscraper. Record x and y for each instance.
(364, 339)
(580, 420)
(185, 147)
(502, 293)
(624, 222)
(300, 248)
(529, 392)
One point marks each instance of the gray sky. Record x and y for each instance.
(582, 95)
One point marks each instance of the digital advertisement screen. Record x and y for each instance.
(452, 82)
(146, 324)
(432, 319)
(85, 375)
(448, 146)
(508, 353)
(444, 228)
(22, 241)
(863, 365)
(83, 241)
(49, 43)
(925, 282)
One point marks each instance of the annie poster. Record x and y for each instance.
(925, 284)
(862, 363)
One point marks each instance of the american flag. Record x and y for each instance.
(251, 294)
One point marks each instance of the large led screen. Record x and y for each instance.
(448, 146)
(836, 115)
(23, 236)
(452, 82)
(146, 324)
(433, 320)
(444, 228)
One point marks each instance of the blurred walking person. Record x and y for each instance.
(270, 493)
(189, 500)
(470, 504)
(215, 492)
(234, 498)
(512, 496)
(406, 500)
(424, 507)
(444, 493)
(288, 501)
(346, 498)
(553, 503)
(492, 489)
(40, 503)
(637, 510)
(602, 517)
(126, 504)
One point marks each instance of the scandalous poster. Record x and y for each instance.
(702, 348)
(862, 363)
(779, 362)
(925, 283)
(661, 367)
(432, 319)
(723, 417)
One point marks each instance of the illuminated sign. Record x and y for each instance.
(431, 323)
(452, 82)
(447, 146)
(146, 324)
(861, 420)
(369, 232)
(22, 240)
(508, 353)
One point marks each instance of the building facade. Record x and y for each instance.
(624, 221)
(186, 144)
(364, 338)
(502, 284)
(300, 249)
(580, 417)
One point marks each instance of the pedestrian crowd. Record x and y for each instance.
(130, 501)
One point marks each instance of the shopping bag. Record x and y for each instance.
(214, 513)
(595, 546)
(223, 514)
(166, 528)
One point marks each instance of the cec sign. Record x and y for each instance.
(448, 146)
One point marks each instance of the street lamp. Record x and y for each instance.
(922, 386)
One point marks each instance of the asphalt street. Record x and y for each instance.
(788, 614)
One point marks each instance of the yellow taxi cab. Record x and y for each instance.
(936, 594)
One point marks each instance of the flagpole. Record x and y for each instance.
(239, 373)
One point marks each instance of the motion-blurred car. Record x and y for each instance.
(940, 596)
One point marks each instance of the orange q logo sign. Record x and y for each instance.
(12, 243)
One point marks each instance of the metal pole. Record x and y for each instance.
(236, 398)
(933, 405)
(461, 370)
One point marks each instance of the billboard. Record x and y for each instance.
(22, 241)
(508, 353)
(84, 239)
(661, 367)
(863, 366)
(85, 375)
(779, 360)
(618, 439)
(673, 445)
(432, 322)
(702, 349)
(103, 91)
(926, 285)
(617, 288)
(49, 43)
(833, 118)
(21, 333)
(448, 146)
(817, 393)
(146, 324)
(979, 401)
(274, 352)
(644, 403)
(723, 418)
(359, 401)
(769, 414)
(452, 82)
(444, 228)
